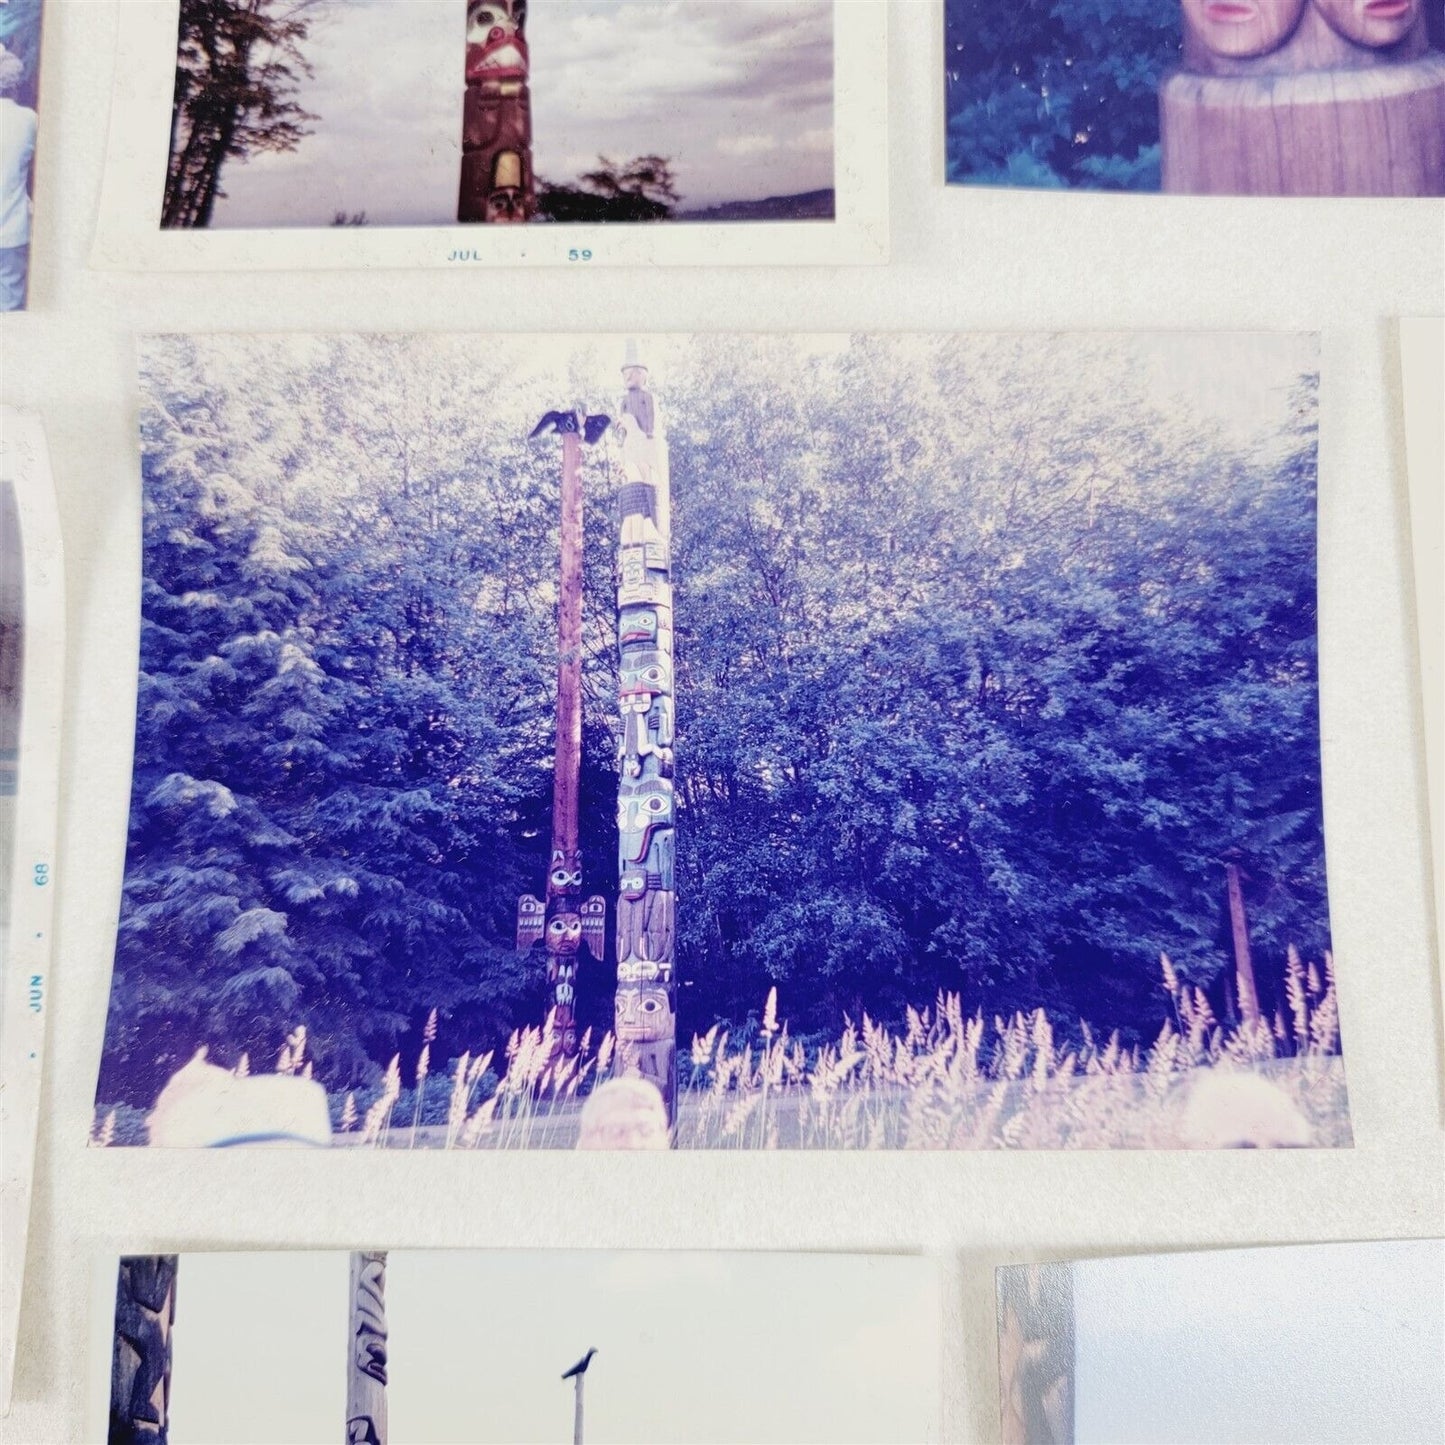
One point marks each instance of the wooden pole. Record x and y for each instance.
(1243, 963)
(140, 1369)
(577, 1410)
(366, 1357)
(569, 655)
(496, 183)
(563, 919)
(1312, 98)
(646, 1002)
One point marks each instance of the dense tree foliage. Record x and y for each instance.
(642, 189)
(1059, 93)
(990, 655)
(238, 66)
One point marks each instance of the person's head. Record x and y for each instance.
(206, 1107)
(1242, 29)
(626, 1113)
(1375, 23)
(12, 71)
(1242, 1111)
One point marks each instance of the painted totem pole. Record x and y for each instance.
(565, 922)
(646, 1003)
(140, 1370)
(366, 1352)
(497, 116)
(1305, 98)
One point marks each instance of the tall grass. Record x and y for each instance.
(946, 1080)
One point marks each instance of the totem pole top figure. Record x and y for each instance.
(496, 44)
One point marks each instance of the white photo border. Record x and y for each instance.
(129, 236)
(25, 964)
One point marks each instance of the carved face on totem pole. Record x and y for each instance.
(643, 1013)
(496, 45)
(1242, 29)
(639, 624)
(645, 816)
(1374, 23)
(564, 875)
(507, 200)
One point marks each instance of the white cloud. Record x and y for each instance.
(746, 145)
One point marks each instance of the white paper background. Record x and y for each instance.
(962, 259)
(1310, 1344)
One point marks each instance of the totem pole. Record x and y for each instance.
(564, 921)
(1305, 98)
(646, 1003)
(140, 1370)
(366, 1352)
(497, 116)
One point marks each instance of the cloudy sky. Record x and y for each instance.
(692, 1347)
(739, 93)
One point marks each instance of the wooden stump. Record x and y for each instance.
(1376, 131)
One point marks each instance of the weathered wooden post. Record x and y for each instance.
(497, 182)
(577, 1374)
(1243, 962)
(565, 921)
(1305, 98)
(646, 1002)
(140, 1369)
(366, 1352)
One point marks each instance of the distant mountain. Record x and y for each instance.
(810, 206)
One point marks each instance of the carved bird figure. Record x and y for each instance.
(570, 423)
(580, 1368)
(564, 423)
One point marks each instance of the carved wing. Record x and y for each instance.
(593, 912)
(531, 921)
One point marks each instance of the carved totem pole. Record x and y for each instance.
(646, 1003)
(140, 1370)
(564, 921)
(1305, 98)
(366, 1352)
(497, 116)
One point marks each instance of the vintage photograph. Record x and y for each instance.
(433, 112)
(1300, 1345)
(19, 92)
(727, 741)
(1208, 97)
(404, 1346)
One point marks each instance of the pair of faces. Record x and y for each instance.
(1242, 29)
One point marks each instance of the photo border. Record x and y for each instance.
(129, 236)
(25, 968)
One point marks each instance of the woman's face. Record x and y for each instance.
(1243, 28)
(1371, 22)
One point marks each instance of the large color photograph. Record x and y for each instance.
(401, 1346)
(430, 112)
(727, 742)
(1206, 97)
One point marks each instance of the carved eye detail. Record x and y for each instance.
(651, 1005)
(655, 805)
